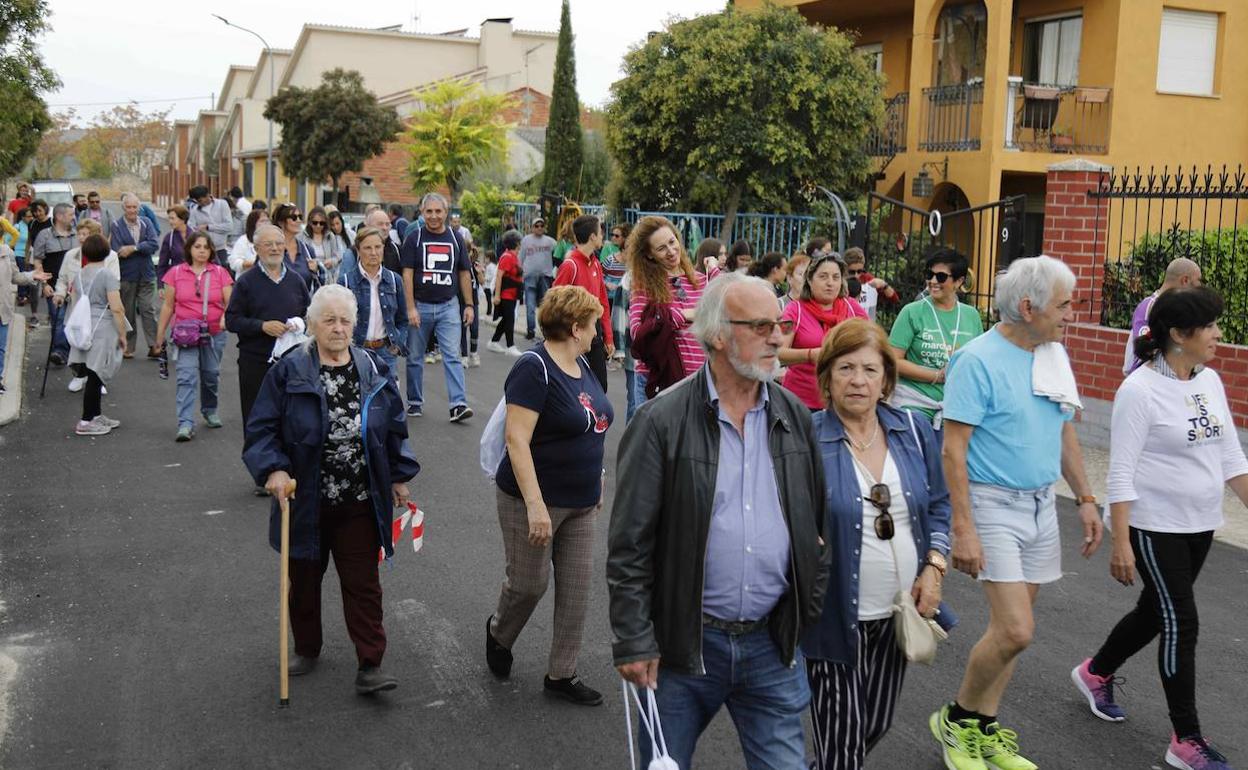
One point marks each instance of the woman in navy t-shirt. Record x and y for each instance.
(550, 486)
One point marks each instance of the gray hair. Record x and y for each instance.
(1032, 278)
(435, 197)
(373, 216)
(130, 196)
(709, 320)
(328, 293)
(264, 228)
(59, 209)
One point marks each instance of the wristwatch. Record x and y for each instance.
(1087, 499)
(936, 561)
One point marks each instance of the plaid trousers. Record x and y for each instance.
(571, 550)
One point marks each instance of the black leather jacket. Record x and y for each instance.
(665, 487)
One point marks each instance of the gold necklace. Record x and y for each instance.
(860, 446)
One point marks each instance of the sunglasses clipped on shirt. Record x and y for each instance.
(762, 326)
(880, 498)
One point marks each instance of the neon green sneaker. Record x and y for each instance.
(959, 741)
(999, 747)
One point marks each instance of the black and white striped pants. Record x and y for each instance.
(851, 707)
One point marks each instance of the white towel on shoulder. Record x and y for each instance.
(1052, 377)
(292, 337)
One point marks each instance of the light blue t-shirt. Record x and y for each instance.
(1017, 442)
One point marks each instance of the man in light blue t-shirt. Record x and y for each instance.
(1004, 448)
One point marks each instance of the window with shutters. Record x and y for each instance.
(1187, 53)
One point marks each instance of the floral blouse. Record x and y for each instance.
(344, 477)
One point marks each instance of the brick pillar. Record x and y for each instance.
(1074, 230)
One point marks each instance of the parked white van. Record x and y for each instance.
(55, 192)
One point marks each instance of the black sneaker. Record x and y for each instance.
(529, 335)
(369, 680)
(299, 665)
(497, 657)
(460, 413)
(414, 410)
(573, 689)
(57, 359)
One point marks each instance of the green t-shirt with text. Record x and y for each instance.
(929, 336)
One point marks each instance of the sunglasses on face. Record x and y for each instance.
(762, 326)
(296, 217)
(881, 498)
(317, 223)
(854, 272)
(940, 277)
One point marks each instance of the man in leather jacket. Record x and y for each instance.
(716, 557)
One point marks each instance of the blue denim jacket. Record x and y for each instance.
(392, 306)
(835, 636)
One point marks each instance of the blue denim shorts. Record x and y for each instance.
(1018, 532)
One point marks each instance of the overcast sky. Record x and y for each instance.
(175, 54)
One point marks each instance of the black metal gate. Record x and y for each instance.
(899, 237)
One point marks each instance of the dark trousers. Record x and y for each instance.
(250, 378)
(489, 302)
(349, 532)
(1168, 564)
(506, 309)
(469, 335)
(597, 357)
(851, 707)
(91, 396)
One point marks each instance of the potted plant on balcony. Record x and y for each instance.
(1040, 105)
(1061, 139)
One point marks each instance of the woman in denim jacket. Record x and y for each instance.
(889, 526)
(386, 338)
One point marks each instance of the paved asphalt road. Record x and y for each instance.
(138, 623)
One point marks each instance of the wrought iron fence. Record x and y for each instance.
(1049, 118)
(1151, 217)
(890, 139)
(952, 117)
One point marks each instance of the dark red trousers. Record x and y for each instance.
(349, 533)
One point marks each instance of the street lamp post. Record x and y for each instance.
(269, 181)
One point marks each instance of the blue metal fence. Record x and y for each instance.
(785, 233)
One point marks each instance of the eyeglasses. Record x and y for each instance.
(940, 277)
(317, 223)
(880, 498)
(762, 326)
(617, 235)
(296, 217)
(854, 273)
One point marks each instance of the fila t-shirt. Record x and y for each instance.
(436, 260)
(573, 415)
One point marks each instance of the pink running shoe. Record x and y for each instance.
(1099, 690)
(1195, 753)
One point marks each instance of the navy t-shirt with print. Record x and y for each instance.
(570, 436)
(437, 259)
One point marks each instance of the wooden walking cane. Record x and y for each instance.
(284, 603)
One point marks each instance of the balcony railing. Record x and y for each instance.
(890, 139)
(1049, 118)
(952, 116)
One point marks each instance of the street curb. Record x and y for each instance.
(11, 401)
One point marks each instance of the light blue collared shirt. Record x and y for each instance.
(747, 548)
(278, 279)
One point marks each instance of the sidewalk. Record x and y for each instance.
(1096, 463)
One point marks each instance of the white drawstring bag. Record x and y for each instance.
(660, 759)
(494, 438)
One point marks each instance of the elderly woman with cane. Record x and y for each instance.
(329, 417)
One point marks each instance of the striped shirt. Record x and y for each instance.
(685, 296)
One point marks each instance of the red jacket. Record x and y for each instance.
(579, 270)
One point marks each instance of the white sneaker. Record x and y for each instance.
(103, 390)
(495, 347)
(474, 360)
(515, 351)
(77, 384)
(109, 421)
(429, 359)
(92, 428)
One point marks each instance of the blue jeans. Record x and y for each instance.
(4, 343)
(630, 390)
(198, 366)
(535, 288)
(442, 322)
(391, 360)
(636, 395)
(765, 698)
(60, 343)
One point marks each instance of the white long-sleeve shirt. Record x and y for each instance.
(1172, 448)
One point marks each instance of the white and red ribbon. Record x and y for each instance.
(412, 518)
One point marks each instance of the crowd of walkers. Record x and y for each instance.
(793, 484)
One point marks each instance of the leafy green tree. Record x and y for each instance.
(760, 105)
(457, 128)
(23, 77)
(564, 154)
(482, 209)
(94, 155)
(332, 129)
(597, 168)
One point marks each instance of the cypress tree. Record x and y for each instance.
(563, 131)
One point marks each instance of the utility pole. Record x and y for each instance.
(270, 173)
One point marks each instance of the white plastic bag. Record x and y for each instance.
(494, 439)
(79, 326)
(659, 758)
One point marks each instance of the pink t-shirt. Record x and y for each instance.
(187, 305)
(809, 333)
(685, 296)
